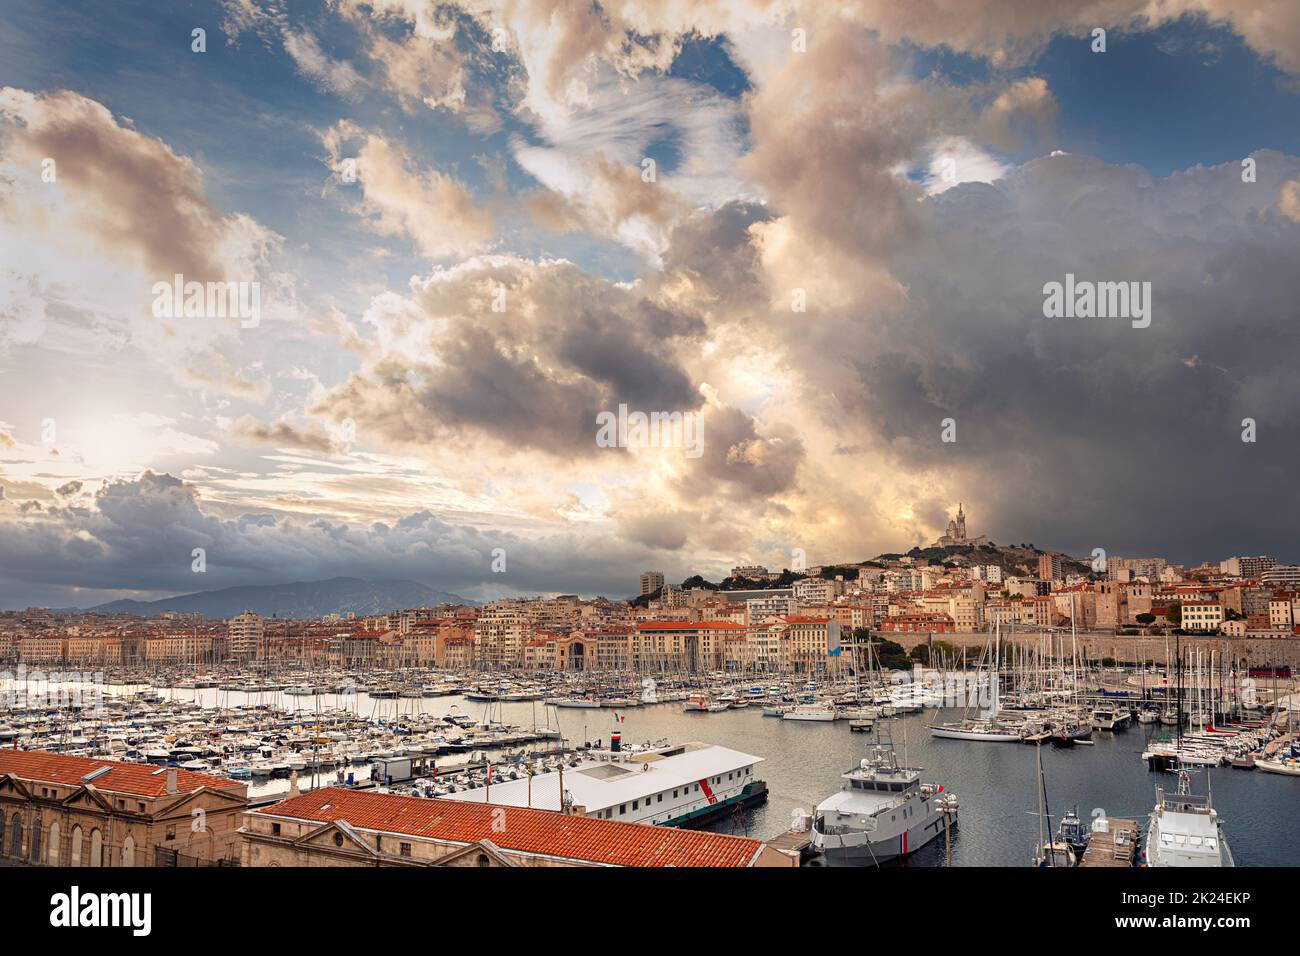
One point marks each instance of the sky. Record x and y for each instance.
(466, 231)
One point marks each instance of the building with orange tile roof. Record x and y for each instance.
(340, 827)
(60, 810)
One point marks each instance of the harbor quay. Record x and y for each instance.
(1283, 649)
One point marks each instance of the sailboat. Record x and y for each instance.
(1051, 853)
(986, 727)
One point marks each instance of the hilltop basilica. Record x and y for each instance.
(957, 534)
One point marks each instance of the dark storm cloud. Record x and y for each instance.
(140, 539)
(1081, 433)
(564, 346)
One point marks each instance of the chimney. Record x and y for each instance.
(171, 781)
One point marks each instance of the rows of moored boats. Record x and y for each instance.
(254, 742)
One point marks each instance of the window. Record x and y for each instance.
(635, 804)
(404, 849)
(660, 798)
(275, 829)
(622, 809)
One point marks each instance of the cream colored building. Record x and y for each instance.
(336, 827)
(57, 810)
(246, 636)
(1202, 616)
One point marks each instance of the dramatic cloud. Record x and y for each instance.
(139, 536)
(504, 218)
(129, 193)
(433, 209)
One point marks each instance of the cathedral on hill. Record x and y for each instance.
(957, 534)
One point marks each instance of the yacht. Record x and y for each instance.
(820, 712)
(703, 704)
(583, 703)
(1185, 830)
(1107, 718)
(977, 730)
(1284, 765)
(883, 812)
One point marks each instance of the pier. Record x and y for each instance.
(1115, 847)
(795, 843)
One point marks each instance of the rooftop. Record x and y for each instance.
(526, 831)
(607, 785)
(136, 778)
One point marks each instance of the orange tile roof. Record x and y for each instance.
(526, 830)
(134, 778)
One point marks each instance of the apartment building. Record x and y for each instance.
(502, 630)
(758, 609)
(808, 644)
(1247, 567)
(43, 650)
(178, 648)
(816, 590)
(1202, 616)
(246, 637)
(651, 581)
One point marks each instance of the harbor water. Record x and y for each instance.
(803, 761)
(994, 782)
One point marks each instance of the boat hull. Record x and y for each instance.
(957, 733)
(859, 848)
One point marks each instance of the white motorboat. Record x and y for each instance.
(1185, 830)
(1107, 718)
(883, 812)
(703, 704)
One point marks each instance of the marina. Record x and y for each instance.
(517, 751)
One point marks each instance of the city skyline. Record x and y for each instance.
(471, 243)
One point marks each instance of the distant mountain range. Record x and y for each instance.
(296, 599)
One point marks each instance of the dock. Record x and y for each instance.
(1115, 846)
(795, 843)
